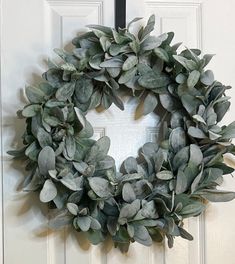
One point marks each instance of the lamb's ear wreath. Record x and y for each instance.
(172, 179)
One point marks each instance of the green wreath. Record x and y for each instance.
(172, 178)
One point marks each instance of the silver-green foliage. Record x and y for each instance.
(149, 199)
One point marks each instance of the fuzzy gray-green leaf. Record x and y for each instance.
(151, 80)
(162, 54)
(99, 150)
(190, 65)
(128, 193)
(73, 208)
(112, 63)
(150, 103)
(164, 175)
(217, 195)
(70, 146)
(142, 236)
(46, 160)
(130, 165)
(193, 78)
(31, 110)
(48, 192)
(100, 186)
(207, 77)
(34, 94)
(65, 91)
(178, 139)
(44, 138)
(84, 223)
(83, 89)
(129, 63)
(73, 182)
(127, 75)
(196, 132)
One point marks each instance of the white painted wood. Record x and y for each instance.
(24, 45)
(184, 18)
(218, 38)
(1, 152)
(29, 32)
(126, 135)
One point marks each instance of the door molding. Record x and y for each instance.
(1, 150)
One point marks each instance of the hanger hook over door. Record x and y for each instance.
(120, 14)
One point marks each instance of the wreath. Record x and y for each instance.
(170, 181)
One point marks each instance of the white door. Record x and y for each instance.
(30, 30)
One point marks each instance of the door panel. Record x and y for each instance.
(30, 31)
(218, 38)
(184, 18)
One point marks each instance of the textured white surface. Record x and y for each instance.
(29, 32)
